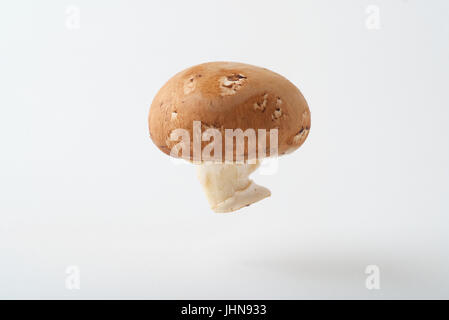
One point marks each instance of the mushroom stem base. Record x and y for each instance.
(228, 187)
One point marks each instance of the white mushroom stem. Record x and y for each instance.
(228, 187)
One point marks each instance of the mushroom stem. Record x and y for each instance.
(228, 187)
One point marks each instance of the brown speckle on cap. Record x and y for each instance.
(189, 85)
(261, 105)
(231, 83)
(276, 114)
(300, 136)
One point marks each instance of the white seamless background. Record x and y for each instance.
(82, 187)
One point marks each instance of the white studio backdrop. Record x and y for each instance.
(90, 208)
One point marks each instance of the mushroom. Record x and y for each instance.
(199, 113)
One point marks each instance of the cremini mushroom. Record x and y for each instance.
(198, 114)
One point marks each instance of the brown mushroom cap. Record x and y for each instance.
(229, 95)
